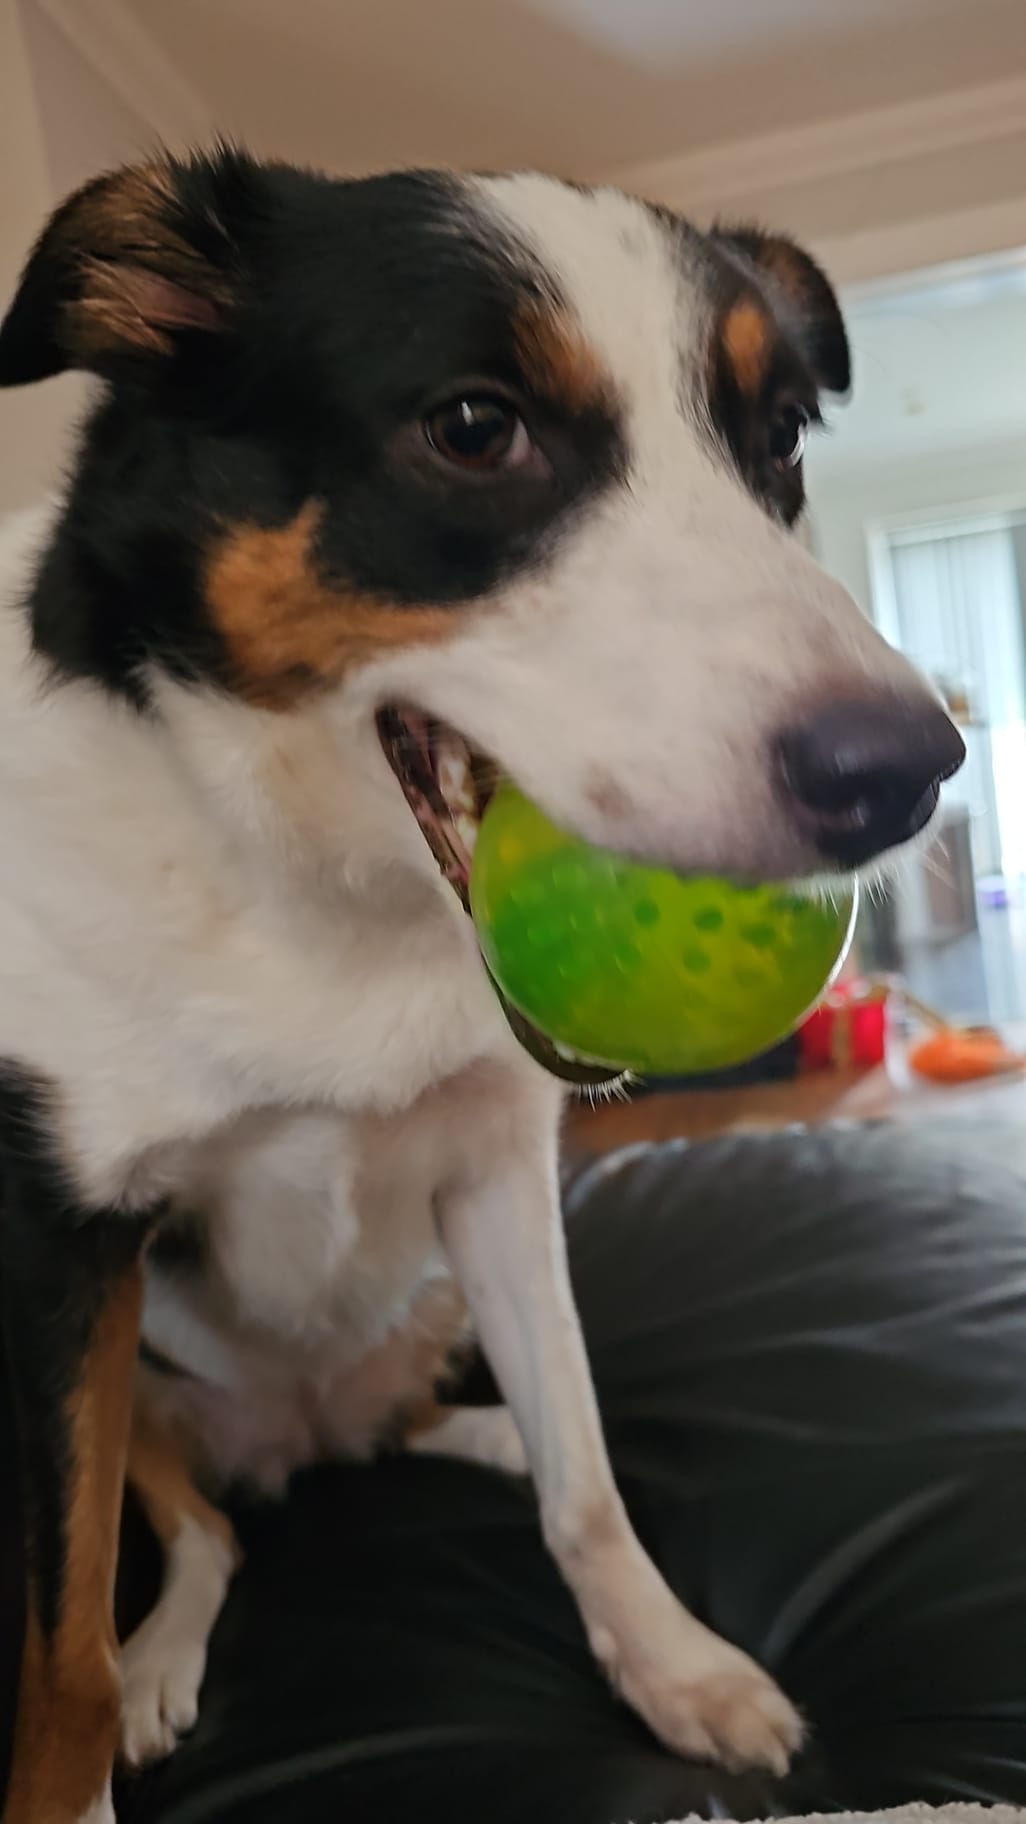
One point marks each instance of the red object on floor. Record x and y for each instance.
(848, 1029)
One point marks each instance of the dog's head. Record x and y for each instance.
(490, 461)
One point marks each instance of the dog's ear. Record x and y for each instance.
(138, 267)
(801, 295)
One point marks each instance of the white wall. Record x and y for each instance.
(843, 506)
(60, 122)
(906, 183)
(87, 123)
(34, 421)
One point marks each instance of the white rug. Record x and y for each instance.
(912, 1814)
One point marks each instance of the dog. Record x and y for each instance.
(391, 488)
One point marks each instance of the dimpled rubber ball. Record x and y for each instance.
(638, 968)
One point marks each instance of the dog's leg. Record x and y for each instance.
(474, 1434)
(164, 1661)
(700, 1695)
(72, 1294)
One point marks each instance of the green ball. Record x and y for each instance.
(637, 968)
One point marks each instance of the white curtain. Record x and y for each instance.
(961, 621)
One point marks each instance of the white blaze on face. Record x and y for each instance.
(636, 680)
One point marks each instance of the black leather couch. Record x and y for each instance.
(811, 1357)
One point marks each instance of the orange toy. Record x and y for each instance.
(964, 1055)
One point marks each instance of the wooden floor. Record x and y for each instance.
(699, 1114)
(827, 1095)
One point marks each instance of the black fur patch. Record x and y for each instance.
(180, 1245)
(747, 422)
(159, 1363)
(57, 1263)
(340, 315)
(799, 293)
(273, 342)
(806, 354)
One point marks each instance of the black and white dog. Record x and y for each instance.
(393, 487)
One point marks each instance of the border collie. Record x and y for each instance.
(391, 488)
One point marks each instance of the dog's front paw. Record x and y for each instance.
(701, 1696)
(161, 1677)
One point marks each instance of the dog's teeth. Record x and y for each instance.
(453, 771)
(466, 827)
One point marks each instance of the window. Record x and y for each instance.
(954, 597)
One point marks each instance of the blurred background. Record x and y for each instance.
(888, 135)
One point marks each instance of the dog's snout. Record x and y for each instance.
(865, 776)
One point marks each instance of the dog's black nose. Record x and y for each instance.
(865, 776)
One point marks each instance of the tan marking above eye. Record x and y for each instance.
(558, 362)
(747, 338)
(290, 632)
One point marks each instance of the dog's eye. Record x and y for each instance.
(479, 431)
(788, 430)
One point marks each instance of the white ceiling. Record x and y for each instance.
(690, 33)
(583, 87)
(940, 365)
(885, 134)
(598, 87)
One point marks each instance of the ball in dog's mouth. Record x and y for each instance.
(448, 786)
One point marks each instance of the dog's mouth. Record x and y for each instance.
(448, 785)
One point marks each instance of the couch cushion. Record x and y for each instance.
(811, 1357)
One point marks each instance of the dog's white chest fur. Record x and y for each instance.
(212, 912)
(321, 1280)
(229, 949)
